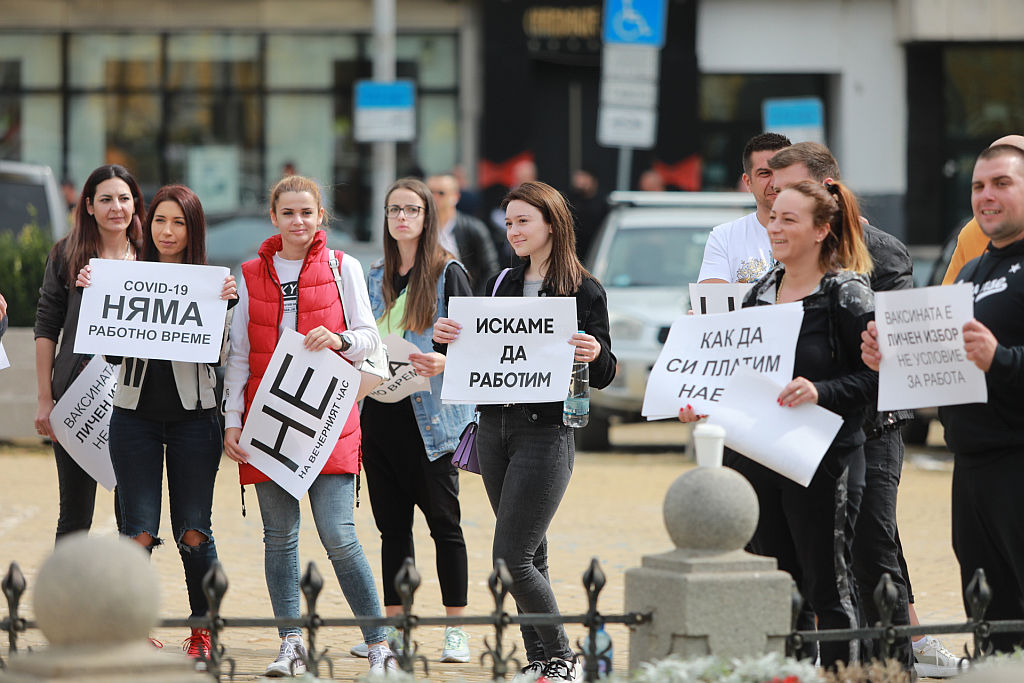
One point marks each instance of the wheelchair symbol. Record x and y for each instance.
(630, 24)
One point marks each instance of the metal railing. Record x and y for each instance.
(501, 655)
(978, 597)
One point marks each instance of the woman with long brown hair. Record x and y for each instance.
(526, 453)
(817, 239)
(408, 444)
(107, 225)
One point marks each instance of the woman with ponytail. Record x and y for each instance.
(817, 239)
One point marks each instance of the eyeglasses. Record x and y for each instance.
(410, 210)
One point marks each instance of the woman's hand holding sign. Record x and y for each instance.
(231, 447)
(446, 330)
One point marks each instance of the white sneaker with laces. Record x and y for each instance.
(530, 672)
(456, 645)
(933, 660)
(382, 659)
(289, 660)
(558, 669)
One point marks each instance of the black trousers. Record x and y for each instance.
(876, 542)
(77, 496)
(400, 479)
(808, 531)
(988, 532)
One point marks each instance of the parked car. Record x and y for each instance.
(29, 194)
(649, 250)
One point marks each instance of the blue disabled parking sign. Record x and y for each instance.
(635, 22)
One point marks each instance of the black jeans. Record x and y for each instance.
(77, 496)
(193, 450)
(876, 545)
(526, 466)
(988, 532)
(807, 530)
(400, 479)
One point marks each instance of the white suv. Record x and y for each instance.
(649, 251)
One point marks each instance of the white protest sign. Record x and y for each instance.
(920, 335)
(510, 350)
(298, 412)
(81, 420)
(404, 380)
(4, 362)
(703, 351)
(790, 441)
(145, 309)
(717, 297)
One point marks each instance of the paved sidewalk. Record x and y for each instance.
(612, 510)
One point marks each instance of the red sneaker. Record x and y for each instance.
(197, 645)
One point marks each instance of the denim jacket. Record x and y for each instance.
(440, 424)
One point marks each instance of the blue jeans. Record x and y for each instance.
(332, 498)
(526, 467)
(193, 447)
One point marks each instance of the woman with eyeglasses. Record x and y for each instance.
(407, 445)
(526, 453)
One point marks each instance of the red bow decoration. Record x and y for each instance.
(503, 172)
(684, 174)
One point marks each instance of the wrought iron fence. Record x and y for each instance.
(978, 597)
(501, 655)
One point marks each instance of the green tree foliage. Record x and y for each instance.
(22, 262)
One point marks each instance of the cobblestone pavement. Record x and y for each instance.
(612, 511)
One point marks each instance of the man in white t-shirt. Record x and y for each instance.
(740, 251)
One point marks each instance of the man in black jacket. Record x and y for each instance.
(876, 544)
(464, 236)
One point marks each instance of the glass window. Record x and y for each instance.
(434, 57)
(39, 56)
(301, 61)
(10, 110)
(212, 60)
(437, 143)
(114, 61)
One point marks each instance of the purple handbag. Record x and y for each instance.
(465, 454)
(465, 457)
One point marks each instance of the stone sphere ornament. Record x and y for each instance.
(711, 509)
(95, 590)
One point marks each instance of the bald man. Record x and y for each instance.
(971, 241)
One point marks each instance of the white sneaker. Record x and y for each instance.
(289, 660)
(382, 659)
(456, 645)
(360, 650)
(530, 672)
(563, 670)
(933, 660)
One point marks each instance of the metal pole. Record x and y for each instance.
(625, 170)
(383, 173)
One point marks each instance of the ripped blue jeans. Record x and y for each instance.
(193, 449)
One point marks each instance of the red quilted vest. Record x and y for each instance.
(318, 304)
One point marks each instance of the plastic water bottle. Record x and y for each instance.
(604, 650)
(576, 408)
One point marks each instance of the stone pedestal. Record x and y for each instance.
(96, 600)
(709, 596)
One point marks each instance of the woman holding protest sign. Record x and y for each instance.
(408, 443)
(170, 405)
(106, 225)
(290, 285)
(526, 453)
(817, 238)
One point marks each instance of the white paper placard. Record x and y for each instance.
(81, 420)
(144, 309)
(703, 351)
(404, 380)
(298, 412)
(510, 350)
(920, 335)
(4, 362)
(790, 441)
(717, 297)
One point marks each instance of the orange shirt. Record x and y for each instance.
(970, 244)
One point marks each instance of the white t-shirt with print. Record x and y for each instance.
(738, 251)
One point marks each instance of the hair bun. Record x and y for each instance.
(832, 187)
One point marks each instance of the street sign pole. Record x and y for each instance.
(634, 32)
(384, 163)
